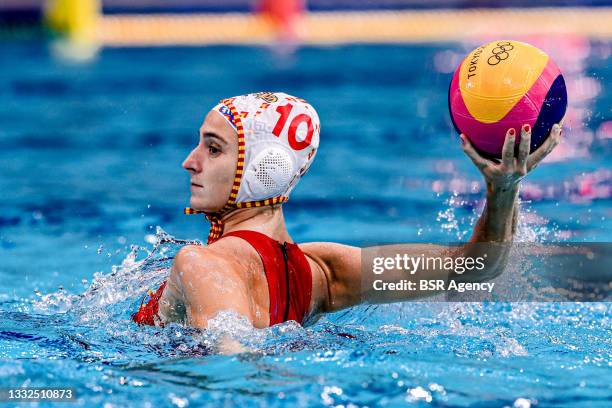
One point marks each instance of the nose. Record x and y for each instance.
(191, 163)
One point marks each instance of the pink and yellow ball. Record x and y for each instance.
(506, 84)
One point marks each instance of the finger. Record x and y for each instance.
(508, 149)
(469, 150)
(524, 146)
(553, 140)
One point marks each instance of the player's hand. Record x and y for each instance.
(507, 174)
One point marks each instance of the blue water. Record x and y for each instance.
(91, 155)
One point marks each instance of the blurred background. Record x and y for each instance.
(100, 102)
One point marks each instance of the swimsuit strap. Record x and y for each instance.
(287, 272)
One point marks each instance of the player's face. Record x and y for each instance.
(212, 164)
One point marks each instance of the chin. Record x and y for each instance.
(201, 205)
(196, 204)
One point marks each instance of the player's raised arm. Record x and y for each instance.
(350, 281)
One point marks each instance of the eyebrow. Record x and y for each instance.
(213, 135)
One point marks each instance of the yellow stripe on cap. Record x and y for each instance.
(494, 77)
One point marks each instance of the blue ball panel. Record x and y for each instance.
(552, 111)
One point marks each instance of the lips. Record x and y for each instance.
(196, 185)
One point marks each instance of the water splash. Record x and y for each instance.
(454, 225)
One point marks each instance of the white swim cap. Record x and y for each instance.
(278, 136)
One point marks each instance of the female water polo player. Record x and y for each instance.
(253, 149)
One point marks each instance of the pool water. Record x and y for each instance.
(91, 217)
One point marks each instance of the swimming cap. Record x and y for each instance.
(278, 136)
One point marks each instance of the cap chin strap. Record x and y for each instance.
(216, 227)
(215, 218)
(216, 223)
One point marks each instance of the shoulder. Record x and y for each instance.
(197, 267)
(207, 280)
(202, 256)
(230, 255)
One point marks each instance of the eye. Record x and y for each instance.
(213, 150)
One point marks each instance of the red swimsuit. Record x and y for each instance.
(289, 298)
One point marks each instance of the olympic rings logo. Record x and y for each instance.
(500, 52)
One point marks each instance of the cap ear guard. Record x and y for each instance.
(269, 173)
